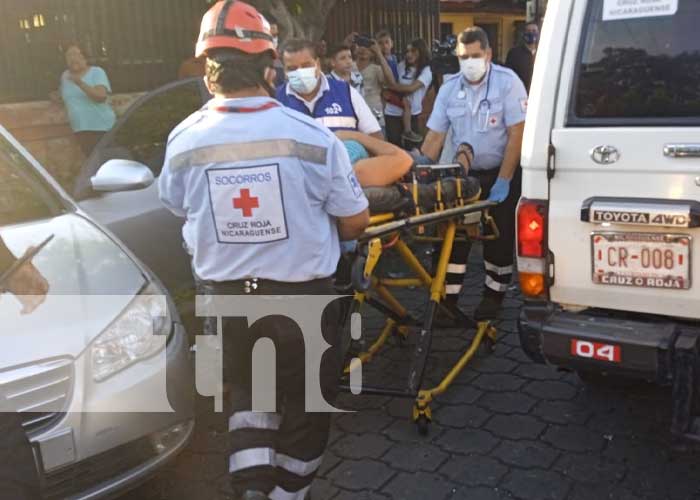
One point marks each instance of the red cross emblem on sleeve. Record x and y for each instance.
(246, 203)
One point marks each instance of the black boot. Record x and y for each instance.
(490, 306)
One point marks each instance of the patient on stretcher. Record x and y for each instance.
(381, 167)
(376, 163)
(383, 171)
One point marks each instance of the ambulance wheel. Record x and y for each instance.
(359, 281)
(423, 425)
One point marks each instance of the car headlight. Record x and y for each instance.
(139, 332)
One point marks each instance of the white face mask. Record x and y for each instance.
(473, 69)
(303, 80)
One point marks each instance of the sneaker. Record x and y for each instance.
(413, 137)
(490, 306)
(471, 188)
(387, 199)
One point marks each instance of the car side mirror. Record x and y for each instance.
(122, 175)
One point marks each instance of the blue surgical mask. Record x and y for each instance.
(531, 38)
(303, 80)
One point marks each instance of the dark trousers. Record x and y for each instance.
(19, 479)
(278, 453)
(498, 254)
(394, 128)
(87, 140)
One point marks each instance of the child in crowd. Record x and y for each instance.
(344, 67)
(385, 45)
(414, 80)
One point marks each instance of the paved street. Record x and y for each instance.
(507, 429)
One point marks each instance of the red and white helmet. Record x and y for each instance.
(231, 24)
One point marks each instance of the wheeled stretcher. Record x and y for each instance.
(440, 207)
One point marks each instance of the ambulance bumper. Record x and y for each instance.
(658, 350)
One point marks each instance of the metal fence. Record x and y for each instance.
(405, 19)
(140, 43)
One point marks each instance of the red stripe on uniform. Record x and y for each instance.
(231, 109)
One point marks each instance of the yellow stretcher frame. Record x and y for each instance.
(453, 221)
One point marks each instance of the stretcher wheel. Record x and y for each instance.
(359, 280)
(423, 425)
(401, 333)
(422, 417)
(488, 344)
(487, 347)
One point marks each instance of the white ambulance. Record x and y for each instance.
(609, 223)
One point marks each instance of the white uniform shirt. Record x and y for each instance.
(357, 80)
(407, 77)
(260, 191)
(478, 119)
(366, 121)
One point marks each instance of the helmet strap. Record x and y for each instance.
(266, 85)
(221, 22)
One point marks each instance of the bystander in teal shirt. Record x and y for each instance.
(84, 114)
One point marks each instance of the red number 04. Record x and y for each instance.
(593, 350)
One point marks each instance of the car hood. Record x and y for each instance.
(91, 280)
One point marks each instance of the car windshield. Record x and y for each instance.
(24, 195)
(639, 63)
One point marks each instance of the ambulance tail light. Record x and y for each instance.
(532, 248)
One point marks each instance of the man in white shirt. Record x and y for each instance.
(331, 102)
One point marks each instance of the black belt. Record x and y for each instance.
(484, 171)
(257, 286)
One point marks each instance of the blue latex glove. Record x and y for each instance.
(421, 159)
(500, 190)
(348, 246)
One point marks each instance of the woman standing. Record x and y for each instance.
(84, 90)
(414, 81)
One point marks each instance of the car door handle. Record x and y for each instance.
(682, 150)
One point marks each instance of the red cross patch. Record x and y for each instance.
(246, 203)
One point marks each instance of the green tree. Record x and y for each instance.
(298, 18)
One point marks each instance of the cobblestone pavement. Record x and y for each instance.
(507, 428)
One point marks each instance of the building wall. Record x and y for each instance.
(42, 127)
(506, 22)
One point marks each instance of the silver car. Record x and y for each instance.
(137, 217)
(101, 371)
